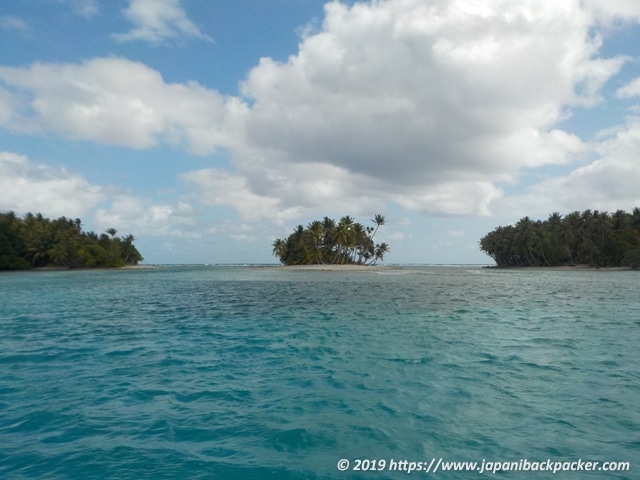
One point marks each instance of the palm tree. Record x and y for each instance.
(345, 238)
(524, 239)
(590, 237)
(346, 220)
(362, 242)
(327, 242)
(381, 249)
(541, 241)
(280, 249)
(569, 234)
(314, 256)
(59, 254)
(635, 217)
(378, 220)
(621, 220)
(129, 253)
(315, 232)
(38, 241)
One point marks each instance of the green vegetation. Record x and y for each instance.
(35, 241)
(328, 242)
(588, 238)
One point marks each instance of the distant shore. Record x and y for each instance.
(339, 268)
(563, 268)
(370, 268)
(139, 267)
(85, 269)
(348, 268)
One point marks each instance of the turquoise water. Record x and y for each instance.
(252, 373)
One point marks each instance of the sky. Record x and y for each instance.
(209, 128)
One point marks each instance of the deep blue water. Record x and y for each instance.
(252, 373)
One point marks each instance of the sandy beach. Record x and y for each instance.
(140, 267)
(340, 268)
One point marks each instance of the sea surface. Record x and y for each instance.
(257, 373)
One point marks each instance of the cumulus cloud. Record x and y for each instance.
(608, 183)
(220, 188)
(455, 198)
(156, 21)
(284, 191)
(430, 105)
(133, 213)
(27, 186)
(607, 10)
(432, 102)
(116, 101)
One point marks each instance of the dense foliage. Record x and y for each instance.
(36, 241)
(590, 238)
(328, 242)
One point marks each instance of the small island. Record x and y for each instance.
(327, 242)
(592, 238)
(38, 242)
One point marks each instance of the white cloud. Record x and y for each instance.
(157, 21)
(608, 10)
(10, 22)
(116, 101)
(631, 89)
(243, 238)
(142, 216)
(399, 236)
(455, 198)
(608, 183)
(428, 105)
(220, 188)
(282, 191)
(84, 8)
(432, 103)
(26, 186)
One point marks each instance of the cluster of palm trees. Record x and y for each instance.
(590, 238)
(327, 242)
(36, 241)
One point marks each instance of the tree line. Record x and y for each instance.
(35, 241)
(329, 242)
(587, 238)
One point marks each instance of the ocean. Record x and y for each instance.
(241, 372)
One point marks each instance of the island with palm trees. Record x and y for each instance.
(38, 242)
(327, 242)
(592, 238)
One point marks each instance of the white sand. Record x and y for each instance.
(339, 268)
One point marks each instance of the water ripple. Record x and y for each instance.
(263, 373)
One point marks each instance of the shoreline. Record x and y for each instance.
(563, 268)
(85, 269)
(338, 268)
(137, 267)
(346, 268)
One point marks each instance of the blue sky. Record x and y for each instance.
(209, 128)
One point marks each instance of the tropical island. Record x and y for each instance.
(327, 242)
(593, 238)
(38, 242)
